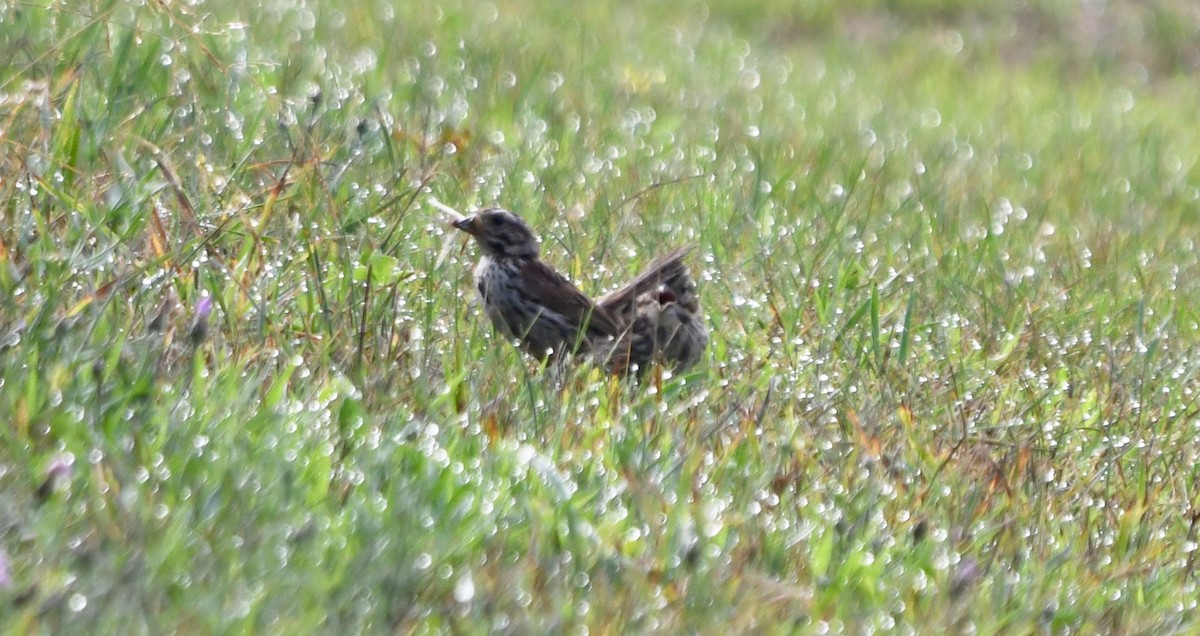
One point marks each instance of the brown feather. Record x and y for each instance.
(558, 294)
(664, 270)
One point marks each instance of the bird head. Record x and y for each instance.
(500, 233)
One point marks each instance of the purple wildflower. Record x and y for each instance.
(964, 577)
(60, 470)
(199, 331)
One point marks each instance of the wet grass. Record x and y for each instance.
(948, 257)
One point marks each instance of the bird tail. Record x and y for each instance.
(667, 272)
(660, 312)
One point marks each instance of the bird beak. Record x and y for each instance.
(468, 224)
(665, 295)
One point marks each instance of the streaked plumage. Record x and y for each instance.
(655, 317)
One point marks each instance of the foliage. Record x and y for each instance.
(947, 252)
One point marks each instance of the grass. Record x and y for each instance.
(948, 258)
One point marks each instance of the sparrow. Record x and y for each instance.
(653, 318)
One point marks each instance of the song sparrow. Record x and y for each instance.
(663, 321)
(679, 335)
(653, 317)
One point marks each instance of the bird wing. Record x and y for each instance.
(556, 293)
(667, 270)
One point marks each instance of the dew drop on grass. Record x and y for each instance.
(77, 602)
(750, 79)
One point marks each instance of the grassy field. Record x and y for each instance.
(947, 250)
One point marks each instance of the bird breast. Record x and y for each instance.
(515, 314)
